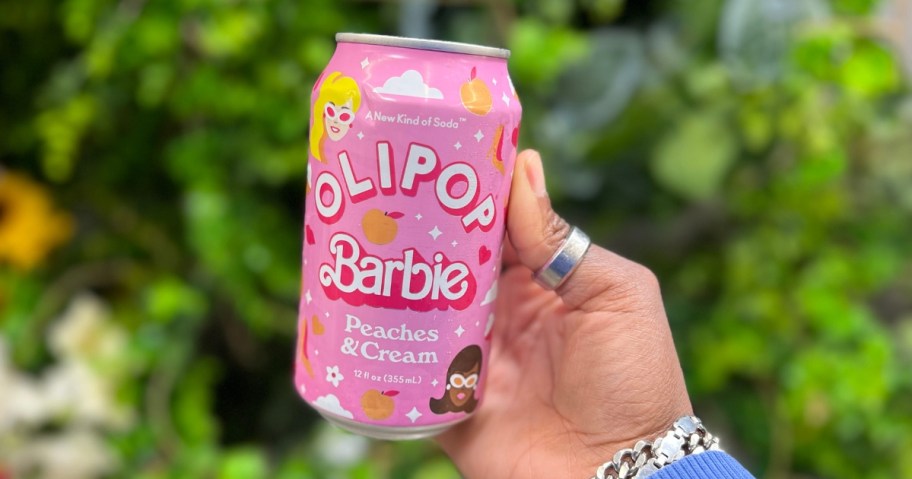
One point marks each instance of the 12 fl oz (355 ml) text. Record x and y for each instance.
(387, 378)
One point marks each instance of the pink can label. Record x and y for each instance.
(411, 156)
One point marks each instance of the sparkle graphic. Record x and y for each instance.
(454, 243)
(413, 415)
(458, 145)
(477, 323)
(505, 98)
(494, 81)
(418, 217)
(316, 352)
(327, 314)
(360, 135)
(365, 63)
(478, 136)
(435, 232)
(308, 297)
(303, 389)
(459, 331)
(434, 383)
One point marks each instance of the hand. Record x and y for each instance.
(577, 374)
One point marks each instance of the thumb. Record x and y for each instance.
(537, 232)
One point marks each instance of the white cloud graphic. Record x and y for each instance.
(410, 83)
(491, 295)
(330, 403)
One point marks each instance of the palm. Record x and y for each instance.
(563, 388)
(572, 378)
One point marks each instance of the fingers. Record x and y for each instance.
(536, 232)
(509, 257)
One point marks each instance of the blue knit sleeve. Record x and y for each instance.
(708, 465)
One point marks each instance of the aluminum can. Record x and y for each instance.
(412, 147)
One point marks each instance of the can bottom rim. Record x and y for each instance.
(393, 433)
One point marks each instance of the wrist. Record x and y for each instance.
(686, 436)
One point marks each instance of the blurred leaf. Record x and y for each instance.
(870, 70)
(603, 10)
(170, 299)
(61, 130)
(365, 470)
(230, 31)
(539, 52)
(819, 50)
(246, 463)
(552, 11)
(315, 52)
(755, 35)
(854, 7)
(437, 469)
(693, 159)
(818, 169)
(757, 127)
(156, 34)
(295, 468)
(595, 89)
(193, 415)
(155, 79)
(80, 17)
(19, 298)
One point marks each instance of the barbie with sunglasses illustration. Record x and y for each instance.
(462, 377)
(333, 111)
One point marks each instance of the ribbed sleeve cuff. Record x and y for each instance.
(710, 464)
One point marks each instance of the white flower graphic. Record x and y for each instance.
(333, 375)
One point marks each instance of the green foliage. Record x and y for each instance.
(540, 52)
(243, 464)
(693, 159)
(855, 7)
(754, 153)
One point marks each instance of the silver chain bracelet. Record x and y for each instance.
(686, 437)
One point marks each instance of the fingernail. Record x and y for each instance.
(536, 175)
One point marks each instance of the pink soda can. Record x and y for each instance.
(412, 147)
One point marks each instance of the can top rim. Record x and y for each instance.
(423, 44)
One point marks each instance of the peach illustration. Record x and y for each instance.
(378, 405)
(302, 349)
(380, 227)
(496, 153)
(316, 326)
(476, 97)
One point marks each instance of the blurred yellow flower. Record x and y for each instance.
(29, 226)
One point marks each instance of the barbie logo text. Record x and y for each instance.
(408, 282)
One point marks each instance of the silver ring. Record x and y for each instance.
(564, 261)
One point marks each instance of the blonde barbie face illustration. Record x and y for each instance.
(333, 111)
(338, 119)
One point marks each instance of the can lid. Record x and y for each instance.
(423, 44)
